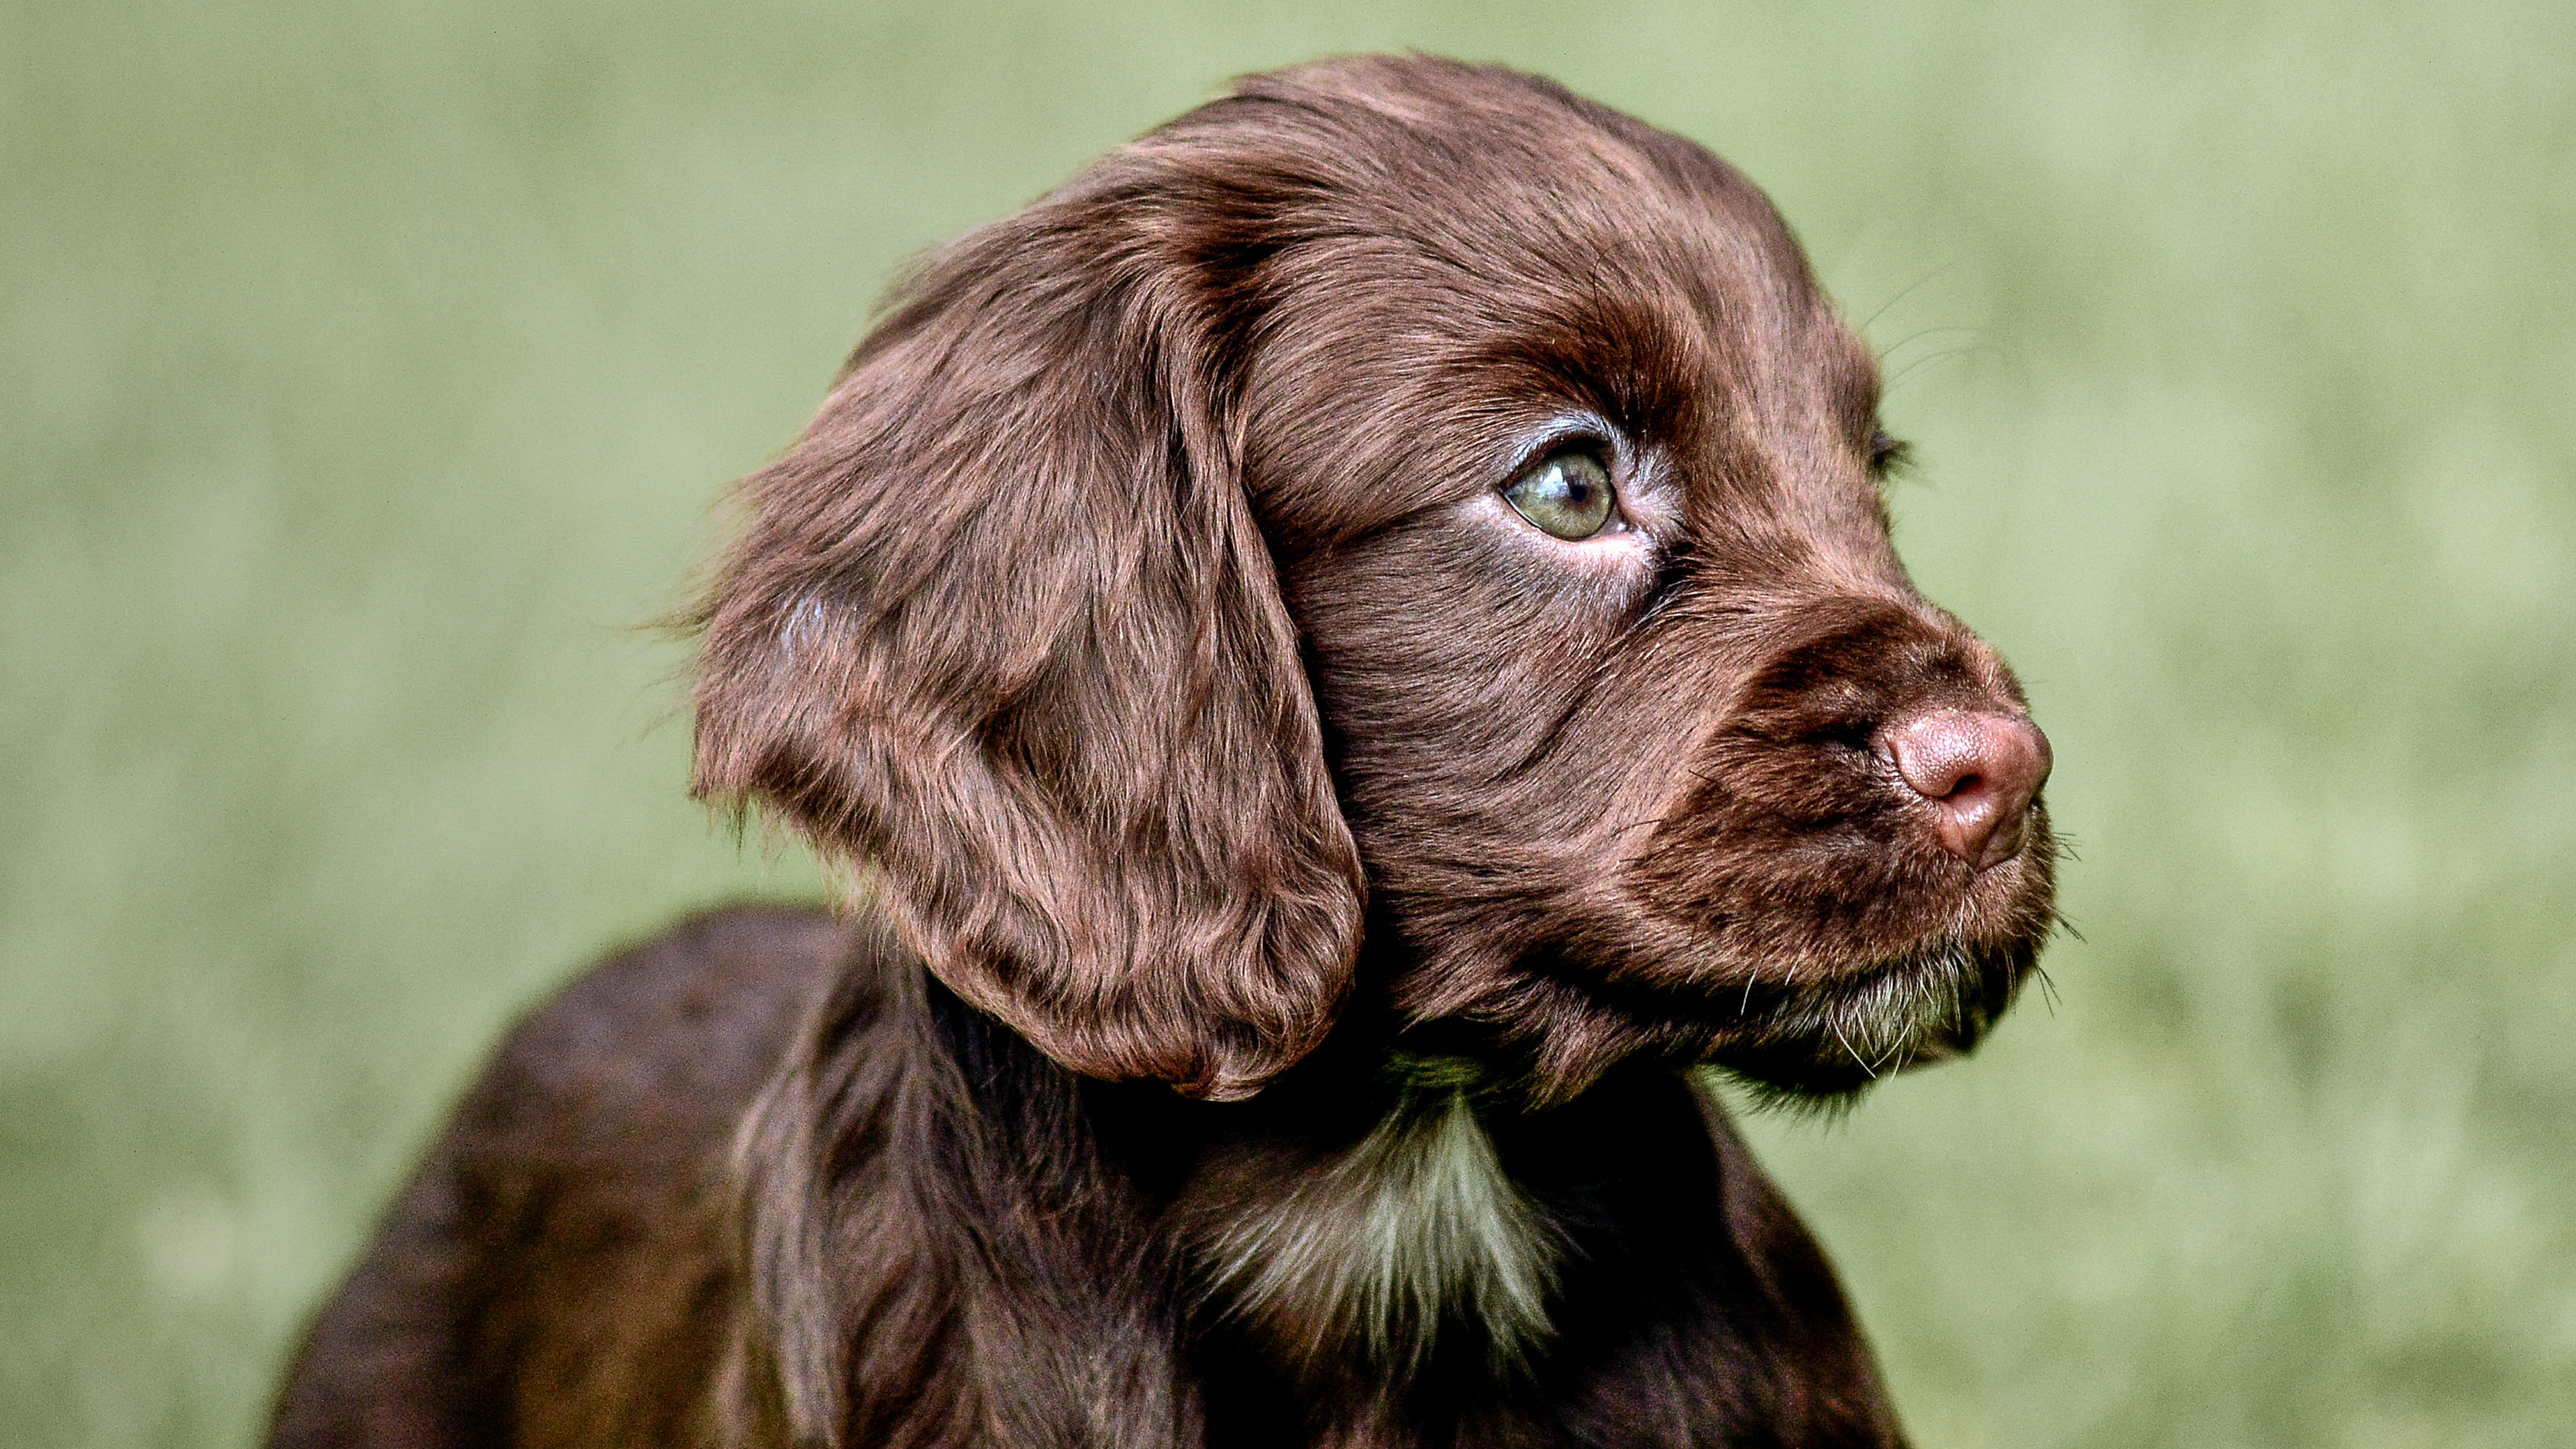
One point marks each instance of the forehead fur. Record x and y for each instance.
(1481, 168)
(1419, 261)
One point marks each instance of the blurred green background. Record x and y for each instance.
(370, 372)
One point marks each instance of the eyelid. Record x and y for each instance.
(1560, 435)
(1591, 433)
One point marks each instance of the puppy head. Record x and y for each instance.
(1404, 463)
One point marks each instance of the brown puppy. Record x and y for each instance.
(1350, 647)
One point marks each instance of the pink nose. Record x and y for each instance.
(1977, 772)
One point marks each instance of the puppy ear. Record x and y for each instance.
(1003, 627)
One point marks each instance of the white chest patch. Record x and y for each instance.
(1415, 1224)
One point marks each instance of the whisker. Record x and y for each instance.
(1847, 1046)
(1928, 360)
(1910, 289)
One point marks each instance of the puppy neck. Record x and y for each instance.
(1370, 1255)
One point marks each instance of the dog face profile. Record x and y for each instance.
(1399, 529)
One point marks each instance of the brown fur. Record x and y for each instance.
(1142, 619)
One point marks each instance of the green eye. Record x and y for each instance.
(1567, 494)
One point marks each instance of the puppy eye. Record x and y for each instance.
(1888, 456)
(1567, 494)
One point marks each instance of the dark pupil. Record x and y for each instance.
(1568, 488)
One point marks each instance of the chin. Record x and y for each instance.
(1793, 1003)
(1826, 1044)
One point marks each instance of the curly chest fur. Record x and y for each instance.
(1371, 1257)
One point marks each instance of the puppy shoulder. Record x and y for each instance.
(669, 1039)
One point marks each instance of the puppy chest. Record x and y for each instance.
(1371, 1257)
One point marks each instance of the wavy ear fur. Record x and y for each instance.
(1002, 626)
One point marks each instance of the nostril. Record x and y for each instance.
(1976, 771)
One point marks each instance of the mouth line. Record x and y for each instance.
(1797, 1043)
